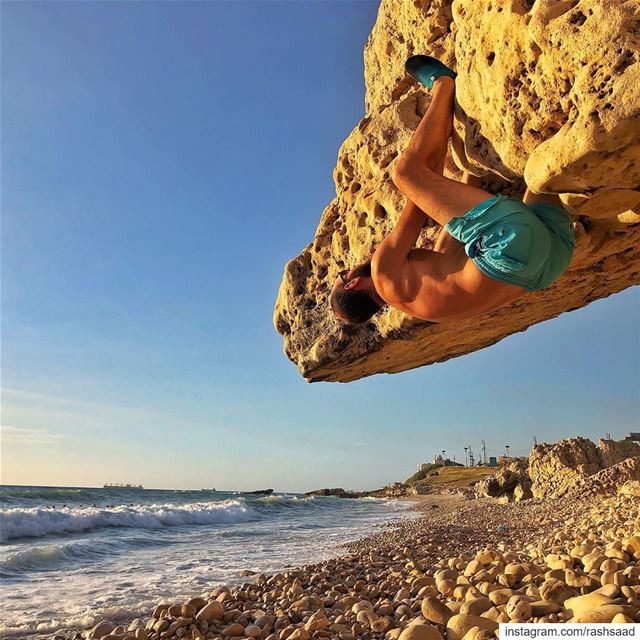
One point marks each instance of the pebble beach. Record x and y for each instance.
(456, 571)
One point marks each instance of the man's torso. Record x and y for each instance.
(447, 286)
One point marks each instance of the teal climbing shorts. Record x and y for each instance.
(529, 245)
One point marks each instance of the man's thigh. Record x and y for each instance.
(446, 243)
(439, 197)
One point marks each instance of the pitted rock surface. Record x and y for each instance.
(548, 91)
(610, 480)
(577, 464)
(615, 451)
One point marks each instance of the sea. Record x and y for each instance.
(70, 557)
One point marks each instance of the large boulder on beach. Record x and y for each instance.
(615, 451)
(510, 481)
(556, 468)
(546, 91)
(578, 465)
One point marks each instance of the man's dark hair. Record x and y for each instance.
(355, 306)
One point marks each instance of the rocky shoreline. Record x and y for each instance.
(455, 572)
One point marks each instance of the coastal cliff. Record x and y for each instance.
(547, 92)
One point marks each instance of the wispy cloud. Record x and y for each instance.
(10, 435)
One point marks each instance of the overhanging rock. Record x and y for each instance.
(547, 91)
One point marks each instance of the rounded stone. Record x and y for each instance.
(620, 618)
(435, 611)
(604, 614)
(582, 604)
(234, 629)
(187, 611)
(100, 630)
(477, 606)
(420, 632)
(518, 607)
(211, 611)
(459, 625)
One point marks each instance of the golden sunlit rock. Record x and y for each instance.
(547, 91)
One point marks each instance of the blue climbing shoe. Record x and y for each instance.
(426, 70)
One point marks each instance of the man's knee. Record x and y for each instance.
(408, 171)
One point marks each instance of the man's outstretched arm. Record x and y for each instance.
(390, 259)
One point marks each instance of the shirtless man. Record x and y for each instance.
(491, 250)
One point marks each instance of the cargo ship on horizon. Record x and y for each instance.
(115, 485)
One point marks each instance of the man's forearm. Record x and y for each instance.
(395, 248)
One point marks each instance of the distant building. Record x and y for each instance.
(493, 461)
(634, 436)
(445, 462)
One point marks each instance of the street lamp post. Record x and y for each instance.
(466, 460)
(506, 448)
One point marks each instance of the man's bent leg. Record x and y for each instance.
(439, 197)
(416, 171)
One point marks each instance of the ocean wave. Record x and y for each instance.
(285, 500)
(45, 557)
(41, 558)
(38, 523)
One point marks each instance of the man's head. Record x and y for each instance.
(354, 298)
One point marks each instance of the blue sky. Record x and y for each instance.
(160, 164)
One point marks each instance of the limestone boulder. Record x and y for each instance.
(546, 91)
(615, 451)
(556, 468)
(507, 481)
(611, 480)
(577, 465)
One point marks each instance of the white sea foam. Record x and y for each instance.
(37, 523)
(78, 620)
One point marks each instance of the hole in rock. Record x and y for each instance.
(491, 57)
(624, 62)
(535, 48)
(578, 18)
(283, 326)
(523, 6)
(379, 212)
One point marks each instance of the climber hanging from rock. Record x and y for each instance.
(491, 250)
